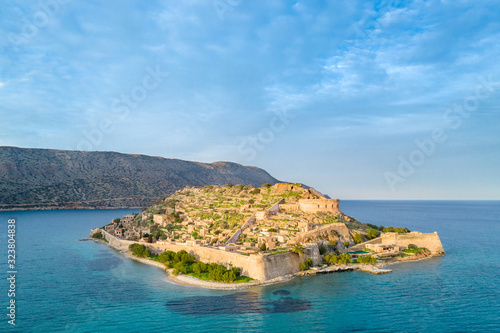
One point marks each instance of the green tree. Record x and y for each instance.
(331, 259)
(306, 264)
(322, 249)
(344, 259)
(263, 247)
(346, 243)
(366, 260)
(358, 238)
(237, 271)
(150, 238)
(139, 250)
(181, 267)
(199, 267)
(166, 257)
(229, 276)
(97, 235)
(372, 233)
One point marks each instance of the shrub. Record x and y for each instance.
(167, 258)
(199, 267)
(255, 191)
(330, 259)
(346, 243)
(139, 250)
(412, 246)
(297, 248)
(229, 276)
(237, 271)
(358, 238)
(372, 233)
(217, 272)
(306, 264)
(97, 235)
(344, 258)
(263, 247)
(341, 259)
(322, 249)
(187, 258)
(367, 260)
(181, 268)
(398, 230)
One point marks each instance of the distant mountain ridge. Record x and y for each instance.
(48, 178)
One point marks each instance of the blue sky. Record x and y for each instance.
(359, 99)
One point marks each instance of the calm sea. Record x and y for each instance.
(66, 285)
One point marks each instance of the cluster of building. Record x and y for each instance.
(127, 228)
(269, 218)
(245, 220)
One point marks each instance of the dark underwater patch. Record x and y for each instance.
(103, 254)
(281, 292)
(238, 303)
(103, 264)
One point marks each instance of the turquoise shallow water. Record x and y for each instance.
(64, 285)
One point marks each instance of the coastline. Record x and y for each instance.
(186, 280)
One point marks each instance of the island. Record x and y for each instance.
(233, 236)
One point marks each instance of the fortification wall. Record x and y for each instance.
(118, 244)
(251, 266)
(430, 241)
(234, 238)
(289, 207)
(281, 264)
(340, 228)
(256, 266)
(361, 246)
(320, 205)
(276, 207)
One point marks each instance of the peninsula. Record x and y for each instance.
(259, 235)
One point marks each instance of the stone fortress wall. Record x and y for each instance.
(430, 241)
(340, 228)
(320, 205)
(234, 238)
(256, 266)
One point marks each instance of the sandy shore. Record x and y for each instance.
(187, 280)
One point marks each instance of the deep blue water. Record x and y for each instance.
(65, 285)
